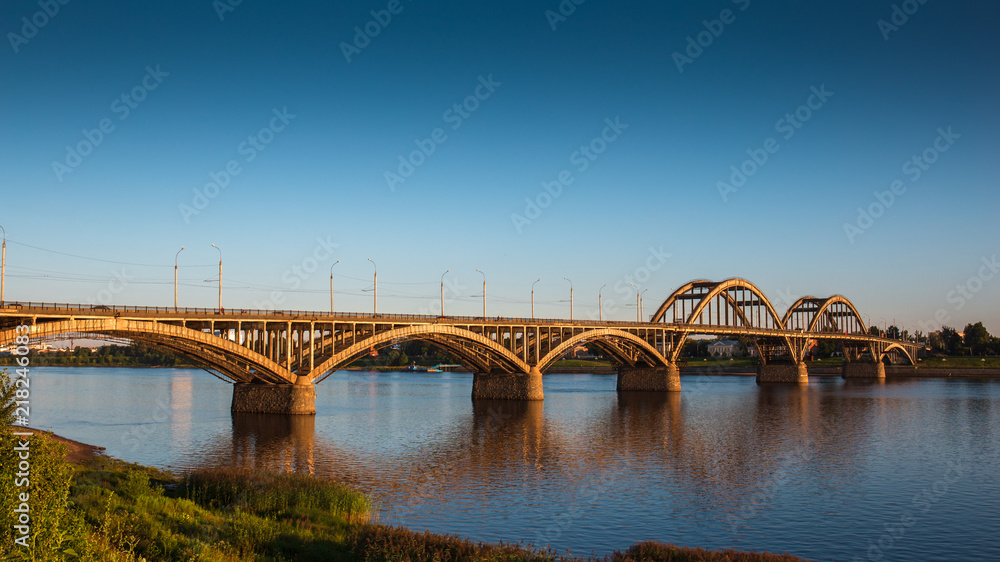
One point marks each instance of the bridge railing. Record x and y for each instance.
(108, 309)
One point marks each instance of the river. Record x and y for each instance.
(901, 470)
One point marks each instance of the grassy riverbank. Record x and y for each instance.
(960, 363)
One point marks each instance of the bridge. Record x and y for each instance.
(274, 358)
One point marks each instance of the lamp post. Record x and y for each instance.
(570, 298)
(442, 290)
(484, 294)
(600, 304)
(641, 315)
(636, 301)
(533, 298)
(3, 264)
(220, 276)
(375, 279)
(175, 276)
(331, 286)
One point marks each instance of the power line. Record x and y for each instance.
(100, 259)
(77, 256)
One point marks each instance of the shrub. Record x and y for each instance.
(53, 530)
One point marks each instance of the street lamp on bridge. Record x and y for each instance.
(220, 276)
(175, 275)
(641, 315)
(570, 297)
(600, 304)
(484, 294)
(533, 298)
(331, 286)
(375, 280)
(442, 290)
(637, 311)
(3, 264)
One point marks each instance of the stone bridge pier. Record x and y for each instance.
(863, 370)
(508, 386)
(255, 398)
(649, 379)
(782, 372)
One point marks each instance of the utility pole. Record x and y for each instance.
(331, 286)
(637, 311)
(442, 290)
(484, 294)
(220, 276)
(175, 276)
(533, 298)
(600, 304)
(3, 267)
(375, 279)
(570, 298)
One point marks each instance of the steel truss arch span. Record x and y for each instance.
(212, 364)
(736, 303)
(893, 349)
(728, 290)
(808, 312)
(658, 316)
(490, 355)
(230, 359)
(605, 337)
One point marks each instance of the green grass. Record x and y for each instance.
(133, 512)
(281, 495)
(659, 552)
(717, 362)
(581, 363)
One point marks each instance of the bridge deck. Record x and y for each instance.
(11, 312)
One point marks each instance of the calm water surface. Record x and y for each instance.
(908, 469)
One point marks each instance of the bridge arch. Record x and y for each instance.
(235, 362)
(485, 354)
(602, 335)
(897, 349)
(732, 303)
(808, 313)
(739, 296)
(675, 297)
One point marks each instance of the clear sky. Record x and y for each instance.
(422, 135)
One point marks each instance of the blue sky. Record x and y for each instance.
(265, 89)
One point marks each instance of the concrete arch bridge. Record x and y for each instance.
(274, 358)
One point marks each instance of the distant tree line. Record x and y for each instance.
(975, 340)
(134, 355)
(407, 353)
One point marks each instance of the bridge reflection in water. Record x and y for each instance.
(732, 451)
(273, 442)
